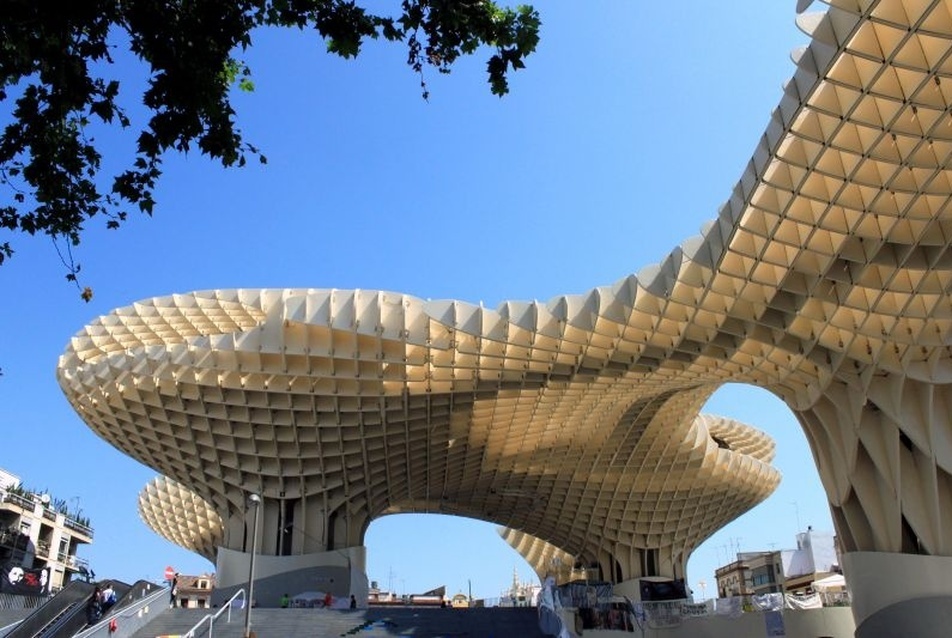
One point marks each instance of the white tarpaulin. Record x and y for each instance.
(836, 582)
(662, 614)
(810, 601)
(692, 610)
(767, 602)
(733, 606)
(308, 599)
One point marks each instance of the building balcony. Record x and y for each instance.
(21, 501)
(76, 526)
(73, 563)
(12, 537)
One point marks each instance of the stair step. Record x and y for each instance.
(374, 622)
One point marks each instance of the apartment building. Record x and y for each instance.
(753, 573)
(786, 571)
(39, 539)
(195, 592)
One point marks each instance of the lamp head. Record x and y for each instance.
(254, 499)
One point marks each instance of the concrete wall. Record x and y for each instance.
(341, 572)
(829, 622)
(900, 592)
(919, 617)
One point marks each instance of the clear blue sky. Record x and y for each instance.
(625, 133)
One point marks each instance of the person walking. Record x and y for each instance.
(173, 591)
(94, 607)
(108, 597)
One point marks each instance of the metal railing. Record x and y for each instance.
(19, 601)
(836, 599)
(211, 618)
(73, 562)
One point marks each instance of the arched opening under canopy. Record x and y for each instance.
(415, 553)
(798, 502)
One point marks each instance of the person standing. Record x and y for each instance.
(285, 602)
(328, 600)
(353, 602)
(173, 591)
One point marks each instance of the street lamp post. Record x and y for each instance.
(253, 501)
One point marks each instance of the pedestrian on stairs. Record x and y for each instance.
(94, 607)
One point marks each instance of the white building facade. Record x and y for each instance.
(39, 540)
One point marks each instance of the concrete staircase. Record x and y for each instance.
(375, 622)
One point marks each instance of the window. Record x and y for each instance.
(762, 579)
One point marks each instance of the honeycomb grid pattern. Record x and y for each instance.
(825, 279)
(329, 404)
(178, 515)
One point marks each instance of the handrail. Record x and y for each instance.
(211, 618)
(8, 628)
(59, 620)
(52, 611)
(127, 611)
